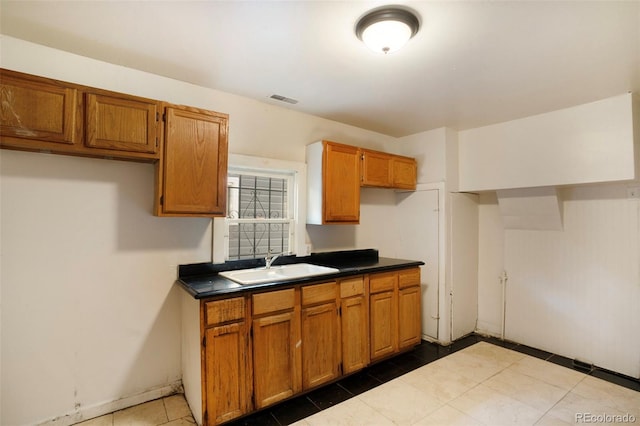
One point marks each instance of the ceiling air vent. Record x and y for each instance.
(283, 99)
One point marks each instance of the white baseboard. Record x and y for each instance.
(89, 412)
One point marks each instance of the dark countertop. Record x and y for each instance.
(201, 280)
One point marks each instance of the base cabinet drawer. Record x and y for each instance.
(384, 281)
(273, 301)
(225, 310)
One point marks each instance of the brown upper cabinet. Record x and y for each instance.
(333, 195)
(383, 170)
(191, 176)
(38, 113)
(404, 172)
(121, 122)
(376, 169)
(42, 114)
(336, 172)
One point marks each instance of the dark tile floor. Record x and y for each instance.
(306, 405)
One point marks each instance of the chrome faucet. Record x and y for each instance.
(270, 258)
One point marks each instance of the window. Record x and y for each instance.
(265, 203)
(260, 217)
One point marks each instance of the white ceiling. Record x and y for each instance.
(472, 63)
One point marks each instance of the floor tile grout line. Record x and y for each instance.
(166, 413)
(374, 408)
(567, 392)
(477, 385)
(313, 402)
(557, 402)
(273, 416)
(351, 394)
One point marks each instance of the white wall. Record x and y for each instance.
(574, 292)
(587, 143)
(90, 313)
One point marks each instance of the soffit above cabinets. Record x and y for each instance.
(589, 143)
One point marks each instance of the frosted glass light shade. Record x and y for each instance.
(386, 36)
(387, 30)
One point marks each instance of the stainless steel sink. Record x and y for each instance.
(277, 273)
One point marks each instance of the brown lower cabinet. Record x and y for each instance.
(276, 346)
(383, 314)
(226, 360)
(320, 334)
(264, 347)
(354, 321)
(409, 319)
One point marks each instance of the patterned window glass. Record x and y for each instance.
(259, 215)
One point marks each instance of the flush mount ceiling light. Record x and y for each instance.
(388, 29)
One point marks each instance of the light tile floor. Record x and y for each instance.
(483, 384)
(169, 411)
(486, 384)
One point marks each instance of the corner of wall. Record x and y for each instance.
(635, 108)
(451, 158)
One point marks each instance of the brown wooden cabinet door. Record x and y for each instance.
(355, 333)
(409, 323)
(227, 374)
(405, 172)
(383, 317)
(341, 175)
(320, 344)
(194, 171)
(38, 113)
(376, 169)
(276, 360)
(121, 122)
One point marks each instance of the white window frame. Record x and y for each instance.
(296, 194)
